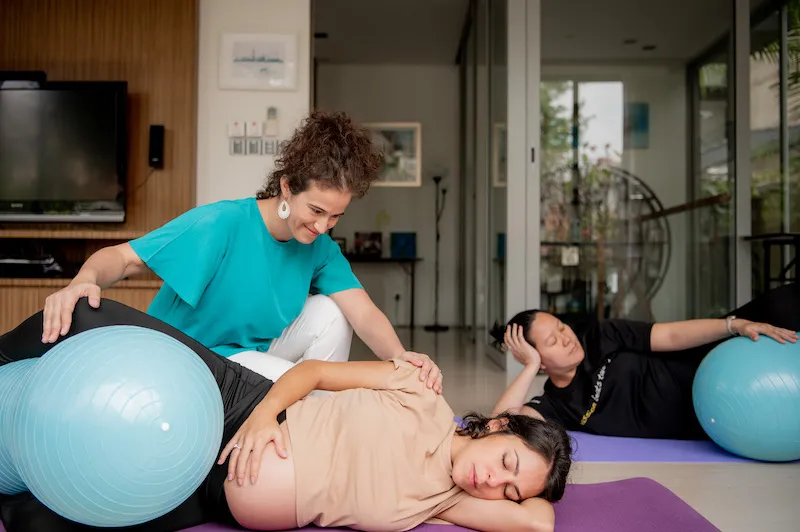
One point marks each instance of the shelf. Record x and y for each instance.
(58, 283)
(70, 234)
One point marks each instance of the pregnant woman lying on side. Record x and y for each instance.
(382, 454)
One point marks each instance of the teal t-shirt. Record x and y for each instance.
(228, 283)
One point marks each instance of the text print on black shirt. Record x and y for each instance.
(598, 389)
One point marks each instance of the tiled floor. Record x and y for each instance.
(734, 497)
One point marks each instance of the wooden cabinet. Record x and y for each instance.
(21, 298)
(152, 45)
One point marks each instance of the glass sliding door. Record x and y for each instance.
(712, 238)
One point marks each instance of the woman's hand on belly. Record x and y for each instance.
(270, 503)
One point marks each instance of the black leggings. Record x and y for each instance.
(241, 391)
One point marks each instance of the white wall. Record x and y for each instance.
(662, 165)
(219, 174)
(404, 93)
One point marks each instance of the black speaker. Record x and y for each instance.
(156, 151)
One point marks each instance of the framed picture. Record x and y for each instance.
(368, 244)
(499, 154)
(401, 143)
(258, 61)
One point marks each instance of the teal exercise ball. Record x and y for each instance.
(746, 395)
(13, 378)
(117, 426)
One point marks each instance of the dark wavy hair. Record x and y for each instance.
(524, 319)
(547, 438)
(329, 150)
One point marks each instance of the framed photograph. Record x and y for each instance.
(368, 244)
(258, 61)
(253, 146)
(499, 155)
(401, 144)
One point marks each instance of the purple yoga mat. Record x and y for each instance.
(631, 505)
(591, 448)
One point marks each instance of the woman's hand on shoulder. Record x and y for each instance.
(428, 369)
(247, 446)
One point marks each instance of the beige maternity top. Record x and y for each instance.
(374, 459)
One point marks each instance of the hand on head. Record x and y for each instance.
(523, 351)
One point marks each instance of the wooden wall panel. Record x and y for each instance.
(17, 303)
(151, 44)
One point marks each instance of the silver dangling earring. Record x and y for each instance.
(283, 210)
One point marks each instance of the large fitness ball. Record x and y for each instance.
(746, 396)
(117, 426)
(13, 378)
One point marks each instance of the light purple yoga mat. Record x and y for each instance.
(631, 505)
(591, 448)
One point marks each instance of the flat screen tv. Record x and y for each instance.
(63, 152)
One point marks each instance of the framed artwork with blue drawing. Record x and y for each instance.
(258, 61)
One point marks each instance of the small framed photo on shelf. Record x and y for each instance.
(368, 244)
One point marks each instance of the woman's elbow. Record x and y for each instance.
(542, 516)
(543, 525)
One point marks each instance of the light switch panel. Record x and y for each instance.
(236, 129)
(254, 129)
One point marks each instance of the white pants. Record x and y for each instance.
(321, 332)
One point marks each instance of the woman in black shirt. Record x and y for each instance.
(629, 378)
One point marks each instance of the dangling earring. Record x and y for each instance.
(283, 210)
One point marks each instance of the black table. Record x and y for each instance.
(768, 240)
(412, 262)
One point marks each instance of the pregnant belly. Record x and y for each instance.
(270, 503)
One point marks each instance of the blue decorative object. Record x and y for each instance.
(117, 426)
(404, 245)
(747, 398)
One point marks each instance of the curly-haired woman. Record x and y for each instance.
(258, 280)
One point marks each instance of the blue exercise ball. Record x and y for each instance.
(13, 378)
(118, 426)
(746, 395)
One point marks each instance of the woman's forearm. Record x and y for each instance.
(517, 393)
(374, 328)
(292, 386)
(680, 335)
(311, 375)
(107, 266)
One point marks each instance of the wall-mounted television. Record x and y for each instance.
(63, 152)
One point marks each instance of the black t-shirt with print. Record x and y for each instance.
(622, 388)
